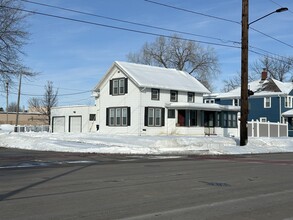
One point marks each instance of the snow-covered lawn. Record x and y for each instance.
(130, 144)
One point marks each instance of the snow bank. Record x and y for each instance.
(130, 144)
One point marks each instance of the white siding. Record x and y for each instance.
(75, 111)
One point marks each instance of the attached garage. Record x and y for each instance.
(58, 124)
(74, 119)
(75, 124)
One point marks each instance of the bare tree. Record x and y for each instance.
(12, 107)
(278, 67)
(174, 52)
(45, 104)
(13, 37)
(235, 82)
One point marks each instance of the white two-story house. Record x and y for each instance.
(146, 100)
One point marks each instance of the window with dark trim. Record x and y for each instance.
(118, 116)
(154, 117)
(230, 120)
(118, 86)
(155, 94)
(173, 96)
(171, 113)
(190, 97)
(92, 117)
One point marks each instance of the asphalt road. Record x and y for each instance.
(38, 185)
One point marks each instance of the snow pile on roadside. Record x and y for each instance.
(131, 144)
(6, 127)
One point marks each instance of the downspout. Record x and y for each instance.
(280, 108)
(140, 110)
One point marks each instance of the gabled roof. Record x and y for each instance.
(268, 87)
(159, 77)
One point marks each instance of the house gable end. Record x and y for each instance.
(270, 86)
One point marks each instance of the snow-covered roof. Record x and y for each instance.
(202, 106)
(288, 113)
(268, 87)
(161, 78)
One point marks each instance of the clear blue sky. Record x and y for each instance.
(75, 55)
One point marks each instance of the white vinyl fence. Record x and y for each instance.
(267, 129)
(32, 128)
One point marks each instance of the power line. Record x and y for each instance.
(218, 18)
(119, 28)
(128, 22)
(127, 29)
(194, 12)
(58, 87)
(280, 5)
(135, 23)
(282, 42)
(66, 94)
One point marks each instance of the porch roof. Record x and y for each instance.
(202, 106)
(288, 113)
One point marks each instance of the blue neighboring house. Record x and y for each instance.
(272, 101)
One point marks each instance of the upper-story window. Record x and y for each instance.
(267, 102)
(236, 102)
(173, 96)
(210, 101)
(288, 102)
(190, 97)
(118, 86)
(155, 94)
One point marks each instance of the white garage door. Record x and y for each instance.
(75, 124)
(58, 124)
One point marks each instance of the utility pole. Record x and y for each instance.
(244, 75)
(18, 99)
(7, 89)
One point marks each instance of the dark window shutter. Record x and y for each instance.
(111, 87)
(128, 116)
(146, 110)
(163, 117)
(126, 85)
(107, 116)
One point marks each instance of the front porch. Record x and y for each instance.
(202, 119)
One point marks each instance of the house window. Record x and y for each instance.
(124, 116)
(190, 97)
(288, 102)
(230, 120)
(158, 117)
(121, 87)
(209, 101)
(155, 94)
(267, 102)
(173, 96)
(112, 117)
(119, 116)
(171, 113)
(92, 117)
(115, 87)
(151, 116)
(154, 117)
(236, 102)
(118, 86)
(263, 119)
(218, 119)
